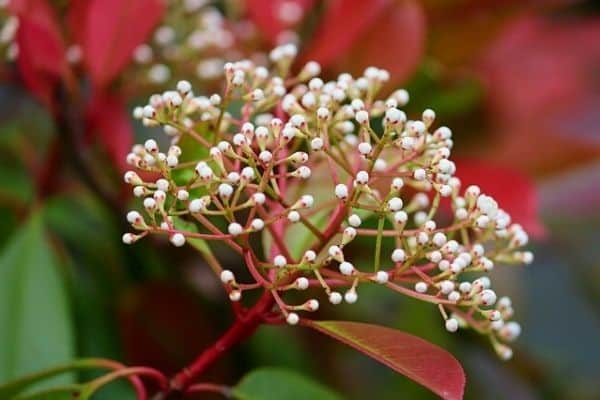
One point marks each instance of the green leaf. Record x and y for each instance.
(36, 329)
(278, 384)
(411, 356)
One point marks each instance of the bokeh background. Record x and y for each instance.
(518, 82)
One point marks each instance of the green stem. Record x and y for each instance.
(380, 225)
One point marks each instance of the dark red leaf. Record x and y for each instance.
(419, 360)
(514, 191)
(356, 34)
(109, 122)
(544, 124)
(343, 22)
(114, 28)
(77, 15)
(41, 59)
(274, 16)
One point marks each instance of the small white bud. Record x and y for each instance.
(302, 283)
(362, 177)
(184, 87)
(351, 296)
(259, 198)
(398, 255)
(395, 204)
(451, 325)
(293, 216)
(227, 276)
(292, 318)
(362, 117)
(309, 256)
(341, 191)
(257, 224)
(280, 261)
(335, 298)
(235, 295)
(364, 148)
(421, 287)
(346, 268)
(382, 277)
(354, 220)
(316, 144)
(419, 174)
(178, 240)
(196, 205)
(128, 238)
(235, 229)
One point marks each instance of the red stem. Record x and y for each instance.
(242, 328)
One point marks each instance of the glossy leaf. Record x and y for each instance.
(356, 34)
(277, 384)
(269, 15)
(513, 190)
(111, 125)
(544, 124)
(419, 360)
(114, 29)
(41, 59)
(34, 314)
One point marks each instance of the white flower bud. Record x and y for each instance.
(335, 298)
(293, 216)
(196, 205)
(451, 325)
(280, 261)
(382, 277)
(362, 177)
(259, 198)
(235, 295)
(421, 287)
(184, 87)
(354, 220)
(346, 268)
(316, 144)
(395, 204)
(292, 318)
(362, 117)
(341, 191)
(364, 148)
(178, 240)
(351, 296)
(419, 174)
(235, 229)
(398, 255)
(227, 276)
(301, 283)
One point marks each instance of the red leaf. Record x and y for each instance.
(387, 34)
(341, 25)
(41, 60)
(114, 29)
(110, 123)
(514, 192)
(419, 360)
(77, 19)
(544, 124)
(270, 15)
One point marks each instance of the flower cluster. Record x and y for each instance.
(192, 30)
(324, 173)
